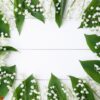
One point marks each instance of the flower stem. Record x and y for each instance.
(71, 6)
(11, 1)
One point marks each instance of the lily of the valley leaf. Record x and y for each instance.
(92, 68)
(35, 8)
(7, 77)
(4, 27)
(93, 42)
(23, 7)
(19, 9)
(27, 90)
(59, 10)
(81, 89)
(4, 49)
(56, 90)
(91, 16)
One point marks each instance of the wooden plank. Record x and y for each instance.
(36, 35)
(44, 62)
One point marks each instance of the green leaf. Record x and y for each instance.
(4, 27)
(92, 68)
(7, 78)
(60, 8)
(4, 49)
(81, 89)
(93, 42)
(19, 8)
(35, 8)
(56, 89)
(91, 17)
(27, 90)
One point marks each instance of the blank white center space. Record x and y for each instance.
(37, 35)
(45, 49)
(44, 62)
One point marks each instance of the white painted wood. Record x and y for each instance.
(44, 62)
(46, 49)
(36, 35)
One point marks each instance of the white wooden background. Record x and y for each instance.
(45, 49)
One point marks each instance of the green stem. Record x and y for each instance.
(83, 6)
(93, 90)
(96, 94)
(11, 1)
(71, 6)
